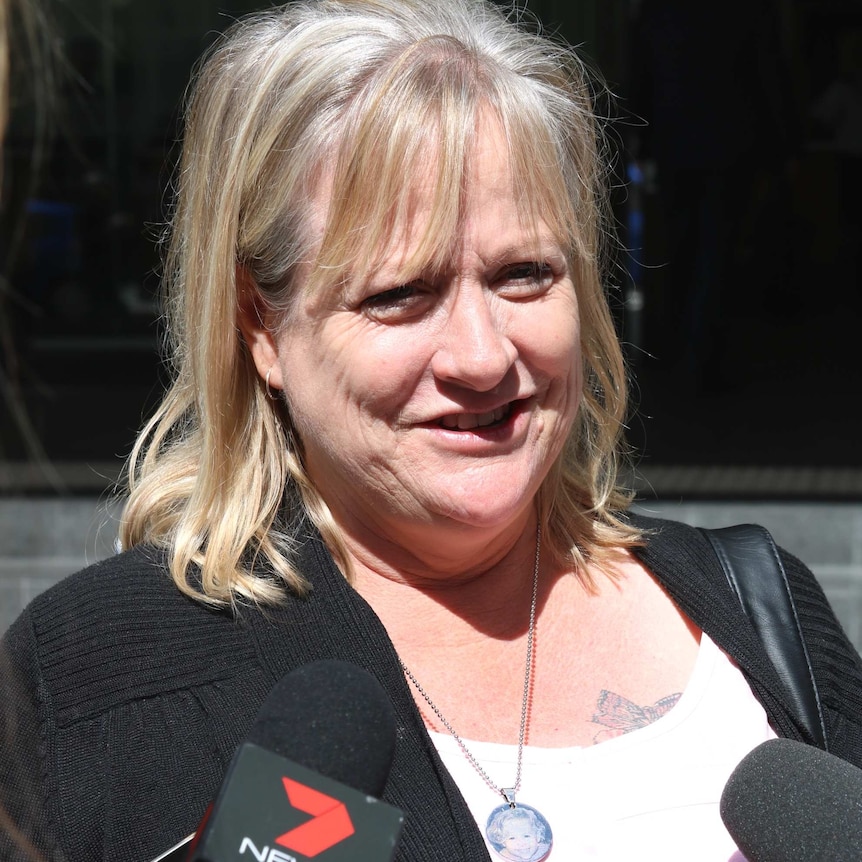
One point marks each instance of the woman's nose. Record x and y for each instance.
(475, 349)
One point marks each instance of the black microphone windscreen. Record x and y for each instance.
(332, 717)
(787, 801)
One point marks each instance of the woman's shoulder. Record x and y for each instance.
(679, 549)
(115, 675)
(107, 597)
(666, 537)
(121, 629)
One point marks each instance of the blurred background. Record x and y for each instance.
(735, 130)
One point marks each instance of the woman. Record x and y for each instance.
(393, 439)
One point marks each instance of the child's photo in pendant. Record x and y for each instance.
(521, 833)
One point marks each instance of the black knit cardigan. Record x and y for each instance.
(130, 699)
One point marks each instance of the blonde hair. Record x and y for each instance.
(376, 90)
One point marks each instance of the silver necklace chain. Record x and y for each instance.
(508, 793)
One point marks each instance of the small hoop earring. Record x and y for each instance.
(266, 383)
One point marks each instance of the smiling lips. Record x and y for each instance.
(469, 421)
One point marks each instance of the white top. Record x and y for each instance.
(651, 794)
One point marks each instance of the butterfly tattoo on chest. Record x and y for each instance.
(619, 715)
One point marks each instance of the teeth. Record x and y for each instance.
(468, 421)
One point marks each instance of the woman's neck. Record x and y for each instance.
(482, 583)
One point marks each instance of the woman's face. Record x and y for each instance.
(439, 398)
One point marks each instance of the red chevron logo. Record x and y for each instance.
(330, 823)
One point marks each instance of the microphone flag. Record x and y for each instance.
(271, 809)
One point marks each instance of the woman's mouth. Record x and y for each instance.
(469, 421)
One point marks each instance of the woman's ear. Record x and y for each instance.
(253, 323)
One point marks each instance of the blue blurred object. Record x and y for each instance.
(634, 296)
(52, 245)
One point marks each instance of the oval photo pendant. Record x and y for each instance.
(519, 833)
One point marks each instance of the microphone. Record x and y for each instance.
(787, 801)
(304, 784)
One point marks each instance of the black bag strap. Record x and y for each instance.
(756, 575)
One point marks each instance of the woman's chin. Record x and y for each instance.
(493, 507)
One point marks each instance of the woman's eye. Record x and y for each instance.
(395, 296)
(396, 303)
(529, 276)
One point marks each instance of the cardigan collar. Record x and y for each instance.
(335, 622)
